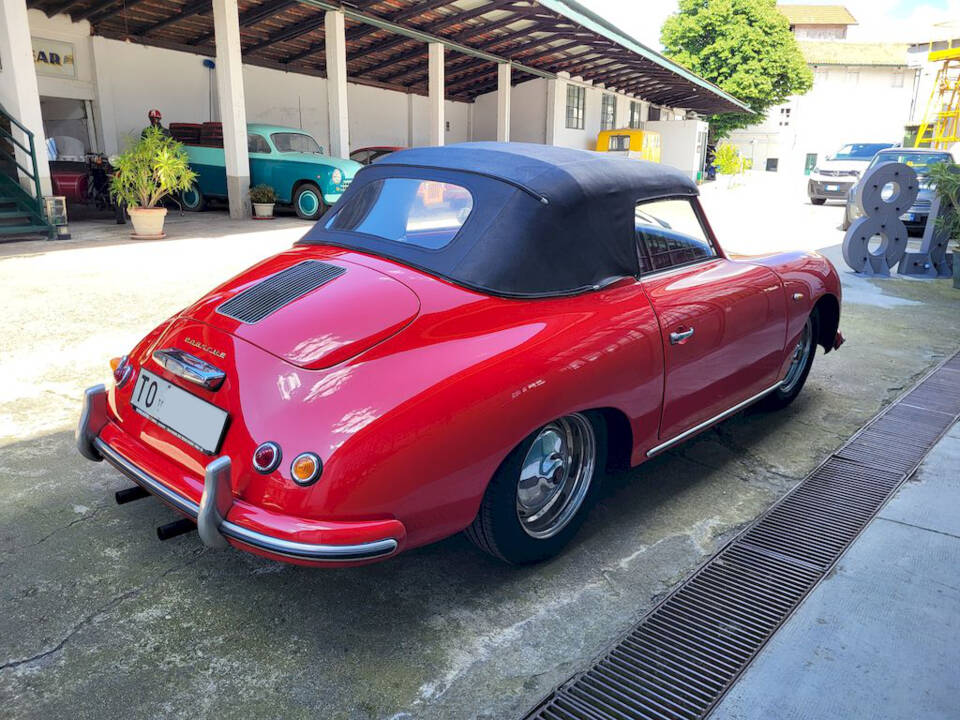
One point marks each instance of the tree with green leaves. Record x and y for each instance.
(743, 46)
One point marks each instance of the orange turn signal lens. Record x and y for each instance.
(306, 468)
(115, 362)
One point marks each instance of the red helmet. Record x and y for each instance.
(154, 115)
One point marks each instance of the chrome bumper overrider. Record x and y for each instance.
(217, 497)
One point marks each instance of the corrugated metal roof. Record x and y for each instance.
(387, 42)
(817, 52)
(817, 14)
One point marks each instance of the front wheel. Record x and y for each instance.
(802, 361)
(308, 202)
(540, 494)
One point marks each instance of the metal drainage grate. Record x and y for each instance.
(687, 651)
(254, 304)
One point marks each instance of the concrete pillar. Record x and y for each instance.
(556, 107)
(18, 89)
(503, 102)
(233, 114)
(435, 92)
(411, 112)
(336, 49)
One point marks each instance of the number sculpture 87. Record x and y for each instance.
(884, 193)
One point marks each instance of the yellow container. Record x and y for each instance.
(632, 143)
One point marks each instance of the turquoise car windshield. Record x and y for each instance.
(295, 142)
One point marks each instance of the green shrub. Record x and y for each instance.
(727, 159)
(946, 177)
(263, 194)
(154, 167)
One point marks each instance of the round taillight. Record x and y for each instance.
(306, 468)
(266, 457)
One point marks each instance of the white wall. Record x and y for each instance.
(846, 104)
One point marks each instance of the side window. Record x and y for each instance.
(669, 233)
(256, 144)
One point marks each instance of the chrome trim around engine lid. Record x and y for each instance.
(275, 545)
(190, 368)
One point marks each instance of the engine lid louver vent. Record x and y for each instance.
(254, 304)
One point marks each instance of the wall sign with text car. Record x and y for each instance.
(54, 57)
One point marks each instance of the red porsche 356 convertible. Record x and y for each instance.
(466, 341)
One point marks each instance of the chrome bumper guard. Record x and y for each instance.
(216, 501)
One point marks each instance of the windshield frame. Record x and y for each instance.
(877, 147)
(877, 159)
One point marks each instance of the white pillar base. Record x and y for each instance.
(233, 112)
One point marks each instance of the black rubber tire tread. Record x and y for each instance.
(482, 531)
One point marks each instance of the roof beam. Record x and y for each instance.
(189, 10)
(63, 7)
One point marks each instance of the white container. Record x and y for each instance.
(147, 222)
(263, 210)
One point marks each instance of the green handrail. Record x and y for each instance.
(31, 150)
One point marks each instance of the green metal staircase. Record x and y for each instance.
(21, 213)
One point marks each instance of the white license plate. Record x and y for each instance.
(832, 188)
(909, 217)
(186, 416)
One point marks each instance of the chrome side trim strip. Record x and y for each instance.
(707, 423)
(287, 548)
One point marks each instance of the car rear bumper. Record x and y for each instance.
(221, 519)
(831, 190)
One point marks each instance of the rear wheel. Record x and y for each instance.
(540, 494)
(192, 199)
(818, 201)
(793, 381)
(308, 202)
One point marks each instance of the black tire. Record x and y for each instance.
(787, 393)
(308, 202)
(498, 530)
(818, 201)
(192, 200)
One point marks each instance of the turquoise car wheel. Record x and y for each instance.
(307, 202)
(192, 199)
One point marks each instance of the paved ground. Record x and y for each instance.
(879, 638)
(97, 618)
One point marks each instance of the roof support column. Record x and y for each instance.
(556, 108)
(336, 49)
(18, 90)
(435, 91)
(503, 102)
(233, 114)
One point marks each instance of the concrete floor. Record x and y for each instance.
(98, 618)
(879, 638)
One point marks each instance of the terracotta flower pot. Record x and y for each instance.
(263, 210)
(147, 222)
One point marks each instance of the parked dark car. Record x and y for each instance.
(920, 159)
(367, 155)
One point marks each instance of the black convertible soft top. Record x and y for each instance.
(546, 220)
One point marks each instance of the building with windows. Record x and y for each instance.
(862, 93)
(371, 72)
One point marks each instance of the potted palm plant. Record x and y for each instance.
(263, 198)
(151, 169)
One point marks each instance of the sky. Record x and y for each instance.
(878, 20)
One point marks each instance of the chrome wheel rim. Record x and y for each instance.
(800, 355)
(555, 475)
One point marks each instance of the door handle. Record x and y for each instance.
(679, 337)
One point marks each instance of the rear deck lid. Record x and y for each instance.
(313, 313)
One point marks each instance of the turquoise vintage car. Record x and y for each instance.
(287, 159)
